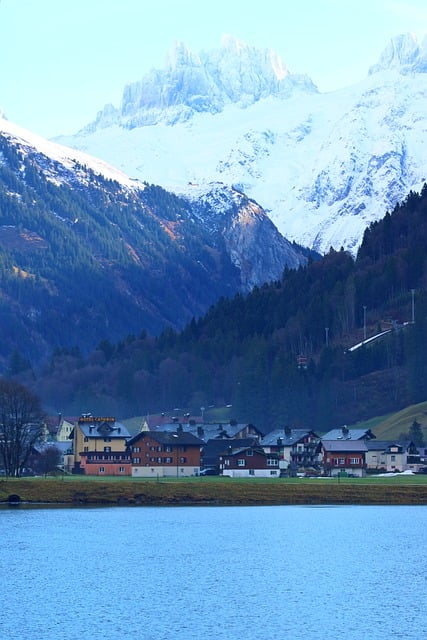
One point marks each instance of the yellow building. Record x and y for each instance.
(97, 437)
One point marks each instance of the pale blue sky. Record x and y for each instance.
(62, 60)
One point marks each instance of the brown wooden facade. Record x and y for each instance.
(165, 454)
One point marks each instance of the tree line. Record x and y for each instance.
(278, 355)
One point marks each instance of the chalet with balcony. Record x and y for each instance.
(402, 456)
(344, 457)
(164, 454)
(249, 462)
(297, 448)
(100, 446)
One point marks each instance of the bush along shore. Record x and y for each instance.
(221, 491)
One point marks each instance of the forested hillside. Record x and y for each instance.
(280, 354)
(84, 257)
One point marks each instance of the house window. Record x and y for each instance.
(250, 452)
(272, 462)
(251, 472)
(121, 469)
(182, 460)
(159, 460)
(136, 460)
(101, 469)
(107, 439)
(159, 448)
(393, 458)
(273, 472)
(86, 439)
(168, 448)
(136, 449)
(152, 459)
(241, 462)
(354, 461)
(107, 449)
(336, 462)
(342, 460)
(168, 460)
(86, 449)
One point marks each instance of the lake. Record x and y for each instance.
(235, 573)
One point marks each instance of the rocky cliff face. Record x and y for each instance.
(251, 239)
(202, 83)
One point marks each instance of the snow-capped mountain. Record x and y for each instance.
(253, 243)
(89, 254)
(322, 165)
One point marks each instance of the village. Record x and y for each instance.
(170, 447)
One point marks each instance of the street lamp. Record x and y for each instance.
(413, 305)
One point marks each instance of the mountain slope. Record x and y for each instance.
(88, 254)
(322, 165)
(280, 355)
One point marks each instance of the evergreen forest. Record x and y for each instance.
(82, 259)
(280, 355)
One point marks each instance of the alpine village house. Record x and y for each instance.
(102, 446)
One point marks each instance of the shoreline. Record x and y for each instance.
(48, 492)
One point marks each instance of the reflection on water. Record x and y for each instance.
(213, 573)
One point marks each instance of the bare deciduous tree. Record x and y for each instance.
(21, 426)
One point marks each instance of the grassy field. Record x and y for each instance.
(391, 426)
(217, 491)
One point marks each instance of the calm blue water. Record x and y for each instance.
(251, 573)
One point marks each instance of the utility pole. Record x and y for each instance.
(327, 336)
(413, 305)
(364, 322)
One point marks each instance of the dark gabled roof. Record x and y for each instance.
(63, 447)
(259, 450)
(288, 437)
(103, 430)
(162, 421)
(205, 431)
(348, 434)
(404, 445)
(165, 437)
(377, 445)
(214, 448)
(344, 445)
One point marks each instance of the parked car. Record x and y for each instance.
(208, 472)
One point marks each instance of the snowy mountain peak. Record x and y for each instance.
(403, 54)
(207, 82)
(323, 166)
(180, 56)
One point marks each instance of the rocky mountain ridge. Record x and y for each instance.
(323, 166)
